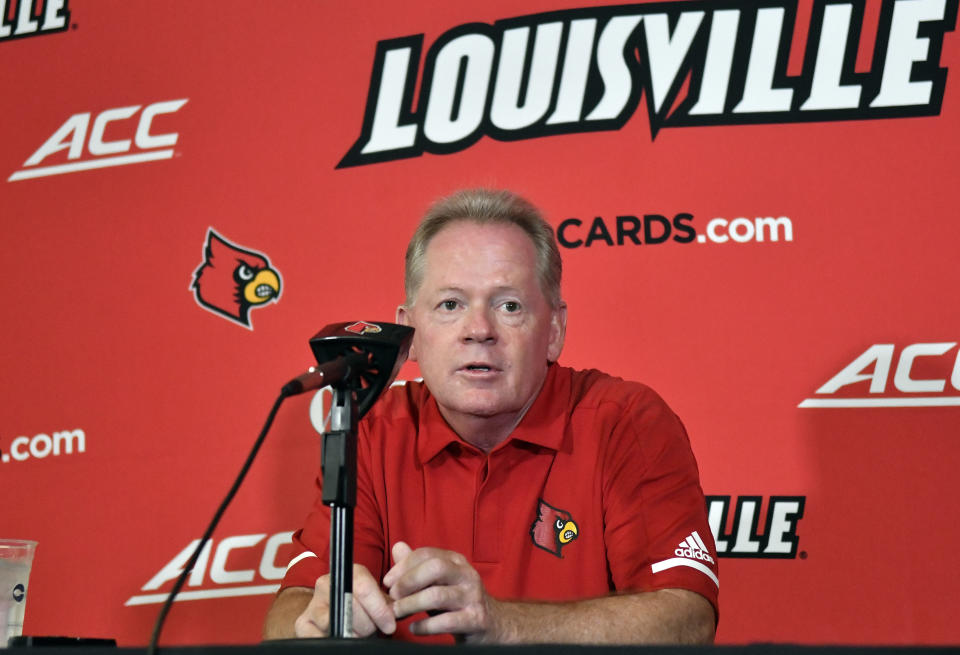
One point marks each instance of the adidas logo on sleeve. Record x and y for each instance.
(690, 552)
(694, 548)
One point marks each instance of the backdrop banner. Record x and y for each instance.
(755, 206)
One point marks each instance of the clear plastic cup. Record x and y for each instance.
(16, 557)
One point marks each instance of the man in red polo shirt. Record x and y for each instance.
(507, 499)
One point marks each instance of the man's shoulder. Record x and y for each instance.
(591, 388)
(402, 401)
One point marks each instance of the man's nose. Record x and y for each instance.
(479, 326)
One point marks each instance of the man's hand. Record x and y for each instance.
(443, 584)
(371, 608)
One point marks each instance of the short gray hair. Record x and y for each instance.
(486, 206)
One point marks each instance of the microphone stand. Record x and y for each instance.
(365, 358)
(339, 466)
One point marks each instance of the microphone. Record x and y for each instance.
(339, 370)
(359, 355)
(359, 358)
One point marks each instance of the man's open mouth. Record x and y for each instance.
(479, 368)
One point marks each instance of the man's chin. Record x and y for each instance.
(483, 408)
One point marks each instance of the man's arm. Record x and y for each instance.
(667, 616)
(435, 580)
(282, 615)
(305, 612)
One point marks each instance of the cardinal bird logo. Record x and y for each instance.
(553, 529)
(233, 280)
(362, 327)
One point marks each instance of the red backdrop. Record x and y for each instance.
(756, 206)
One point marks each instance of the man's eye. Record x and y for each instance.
(511, 306)
(448, 305)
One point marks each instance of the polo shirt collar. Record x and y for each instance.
(542, 425)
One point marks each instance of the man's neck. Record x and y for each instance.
(487, 432)
(483, 432)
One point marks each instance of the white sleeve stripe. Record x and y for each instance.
(683, 561)
(301, 556)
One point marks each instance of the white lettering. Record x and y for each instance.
(386, 132)
(63, 441)
(712, 230)
(218, 571)
(41, 445)
(904, 48)
(52, 19)
(746, 519)
(268, 563)
(773, 225)
(450, 119)
(15, 451)
(73, 135)
(665, 52)
(759, 94)
(507, 111)
(782, 524)
(902, 379)
(76, 126)
(617, 81)
(826, 91)
(25, 25)
(143, 138)
(173, 569)
(955, 376)
(880, 354)
(576, 68)
(5, 29)
(719, 62)
(735, 226)
(97, 146)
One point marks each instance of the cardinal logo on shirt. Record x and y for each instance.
(553, 529)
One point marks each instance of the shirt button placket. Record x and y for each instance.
(487, 515)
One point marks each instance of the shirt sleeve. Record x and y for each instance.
(311, 557)
(657, 532)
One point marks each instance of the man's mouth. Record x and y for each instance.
(478, 368)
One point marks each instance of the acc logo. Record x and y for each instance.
(56, 17)
(915, 360)
(72, 135)
(360, 327)
(233, 280)
(553, 529)
(256, 564)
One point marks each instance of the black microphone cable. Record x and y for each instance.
(182, 578)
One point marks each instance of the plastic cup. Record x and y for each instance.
(16, 557)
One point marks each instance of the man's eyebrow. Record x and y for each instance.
(443, 290)
(493, 291)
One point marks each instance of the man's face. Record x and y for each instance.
(484, 330)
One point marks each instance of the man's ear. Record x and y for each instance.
(403, 318)
(558, 332)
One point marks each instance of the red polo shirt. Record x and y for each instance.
(595, 491)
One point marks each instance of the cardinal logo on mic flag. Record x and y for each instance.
(362, 327)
